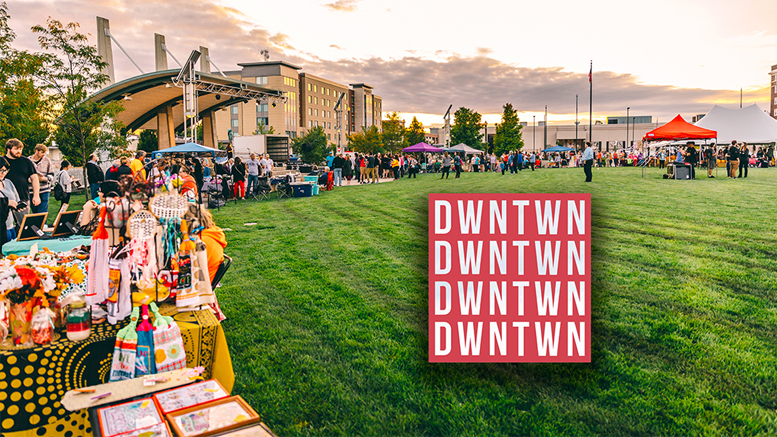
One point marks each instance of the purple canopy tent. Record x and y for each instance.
(421, 147)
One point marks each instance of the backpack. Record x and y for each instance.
(59, 192)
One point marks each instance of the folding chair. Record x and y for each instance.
(261, 190)
(284, 188)
(330, 181)
(223, 267)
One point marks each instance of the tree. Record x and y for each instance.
(69, 74)
(262, 129)
(148, 141)
(367, 141)
(394, 133)
(466, 128)
(508, 132)
(312, 146)
(24, 113)
(415, 133)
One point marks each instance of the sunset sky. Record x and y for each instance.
(660, 58)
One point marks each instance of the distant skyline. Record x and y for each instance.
(659, 58)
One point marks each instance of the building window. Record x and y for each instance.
(310, 99)
(262, 121)
(261, 80)
(329, 125)
(262, 107)
(328, 136)
(235, 123)
(310, 87)
(234, 109)
(310, 123)
(315, 112)
(310, 111)
(315, 88)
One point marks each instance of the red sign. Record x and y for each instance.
(510, 278)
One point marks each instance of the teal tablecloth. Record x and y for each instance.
(54, 244)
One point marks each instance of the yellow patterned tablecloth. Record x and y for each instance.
(33, 380)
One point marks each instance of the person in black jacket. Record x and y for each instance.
(744, 159)
(691, 157)
(733, 159)
(94, 175)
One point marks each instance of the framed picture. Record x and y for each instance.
(212, 418)
(31, 222)
(158, 430)
(65, 224)
(128, 417)
(258, 430)
(190, 395)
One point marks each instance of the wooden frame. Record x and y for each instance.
(255, 430)
(34, 219)
(246, 416)
(161, 402)
(68, 214)
(146, 404)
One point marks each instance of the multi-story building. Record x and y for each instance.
(309, 102)
(773, 100)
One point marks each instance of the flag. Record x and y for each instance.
(590, 74)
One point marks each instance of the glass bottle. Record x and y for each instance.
(79, 321)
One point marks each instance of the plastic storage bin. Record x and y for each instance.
(302, 190)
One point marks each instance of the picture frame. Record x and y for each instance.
(61, 228)
(255, 430)
(124, 418)
(192, 395)
(212, 418)
(26, 231)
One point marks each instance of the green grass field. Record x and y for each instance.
(327, 306)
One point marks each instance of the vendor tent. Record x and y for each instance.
(461, 147)
(750, 124)
(679, 129)
(421, 147)
(558, 149)
(191, 149)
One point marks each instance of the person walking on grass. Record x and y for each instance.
(457, 165)
(588, 161)
(690, 157)
(446, 165)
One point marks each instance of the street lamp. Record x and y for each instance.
(533, 131)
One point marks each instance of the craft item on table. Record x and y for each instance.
(145, 364)
(189, 395)
(125, 351)
(97, 290)
(85, 390)
(186, 294)
(142, 228)
(119, 303)
(169, 353)
(197, 371)
(4, 322)
(118, 212)
(79, 321)
(43, 326)
(98, 397)
(127, 417)
(21, 323)
(220, 415)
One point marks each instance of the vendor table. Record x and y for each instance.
(22, 248)
(33, 380)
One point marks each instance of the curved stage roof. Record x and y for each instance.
(151, 92)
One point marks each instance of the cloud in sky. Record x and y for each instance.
(343, 5)
(415, 83)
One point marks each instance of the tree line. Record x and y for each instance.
(43, 96)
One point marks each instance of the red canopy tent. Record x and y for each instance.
(679, 129)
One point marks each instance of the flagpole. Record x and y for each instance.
(591, 103)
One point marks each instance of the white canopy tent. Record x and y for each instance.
(750, 124)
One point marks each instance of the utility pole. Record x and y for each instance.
(626, 144)
(576, 122)
(533, 132)
(545, 140)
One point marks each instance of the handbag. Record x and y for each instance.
(169, 352)
(125, 351)
(144, 363)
